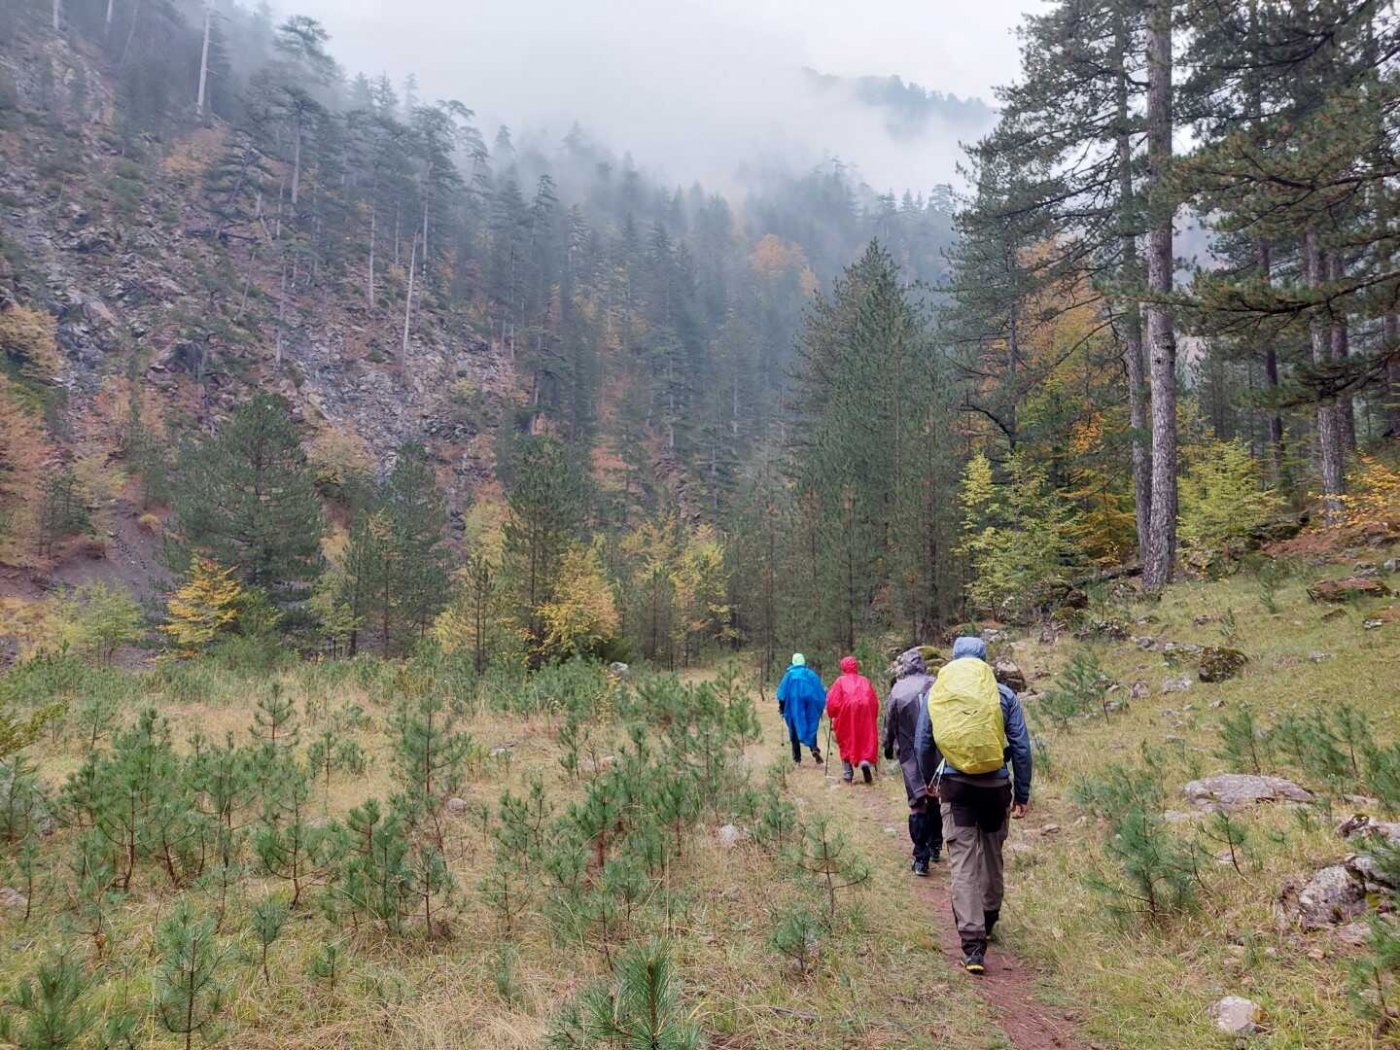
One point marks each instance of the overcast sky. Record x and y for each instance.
(690, 87)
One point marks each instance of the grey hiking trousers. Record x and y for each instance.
(975, 826)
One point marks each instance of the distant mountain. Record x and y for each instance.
(911, 111)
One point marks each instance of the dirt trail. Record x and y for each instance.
(1009, 984)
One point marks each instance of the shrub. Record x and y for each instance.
(1222, 502)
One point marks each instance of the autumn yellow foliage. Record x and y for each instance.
(28, 340)
(1373, 501)
(207, 605)
(24, 453)
(582, 616)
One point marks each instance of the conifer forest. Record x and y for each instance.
(407, 514)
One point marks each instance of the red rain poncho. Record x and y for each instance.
(854, 710)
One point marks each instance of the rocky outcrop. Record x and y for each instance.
(1009, 674)
(1354, 588)
(1219, 664)
(1232, 791)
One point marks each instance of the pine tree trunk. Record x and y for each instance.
(1329, 444)
(1161, 336)
(1132, 321)
(1264, 260)
(1340, 341)
(1390, 338)
(204, 60)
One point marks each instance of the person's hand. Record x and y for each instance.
(931, 792)
(889, 754)
(1019, 810)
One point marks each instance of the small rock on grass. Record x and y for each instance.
(1179, 684)
(1230, 791)
(1235, 1015)
(729, 836)
(1219, 664)
(456, 805)
(12, 898)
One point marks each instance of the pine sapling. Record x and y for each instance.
(51, 1007)
(189, 994)
(268, 918)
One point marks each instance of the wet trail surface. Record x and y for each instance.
(1008, 987)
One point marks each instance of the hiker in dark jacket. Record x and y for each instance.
(907, 697)
(974, 810)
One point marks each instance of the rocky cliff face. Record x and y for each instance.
(112, 235)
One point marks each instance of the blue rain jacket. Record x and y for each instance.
(802, 699)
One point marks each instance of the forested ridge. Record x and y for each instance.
(403, 523)
(522, 388)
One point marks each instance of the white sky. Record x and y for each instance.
(689, 86)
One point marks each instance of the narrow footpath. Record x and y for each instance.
(1009, 984)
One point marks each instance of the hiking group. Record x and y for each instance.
(964, 752)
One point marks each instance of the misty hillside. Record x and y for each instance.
(396, 272)
(910, 110)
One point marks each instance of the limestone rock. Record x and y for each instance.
(12, 898)
(1141, 690)
(1232, 791)
(456, 805)
(1364, 827)
(620, 669)
(729, 836)
(1350, 589)
(1218, 664)
(1235, 1015)
(1009, 674)
(1334, 895)
(1179, 684)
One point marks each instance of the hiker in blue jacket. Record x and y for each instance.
(974, 807)
(801, 701)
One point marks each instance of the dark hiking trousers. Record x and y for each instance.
(925, 831)
(797, 745)
(975, 826)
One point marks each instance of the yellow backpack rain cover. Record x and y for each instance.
(964, 708)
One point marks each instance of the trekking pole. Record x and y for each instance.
(826, 754)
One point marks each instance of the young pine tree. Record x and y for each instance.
(189, 992)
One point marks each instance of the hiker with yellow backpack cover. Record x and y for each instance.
(970, 725)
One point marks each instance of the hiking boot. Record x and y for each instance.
(935, 855)
(989, 921)
(816, 756)
(975, 957)
(866, 773)
(921, 868)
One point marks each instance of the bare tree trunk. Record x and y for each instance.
(373, 215)
(204, 59)
(58, 16)
(408, 300)
(1161, 335)
(296, 162)
(1328, 433)
(1340, 341)
(107, 24)
(1132, 318)
(281, 313)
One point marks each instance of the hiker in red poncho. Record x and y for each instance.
(854, 710)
